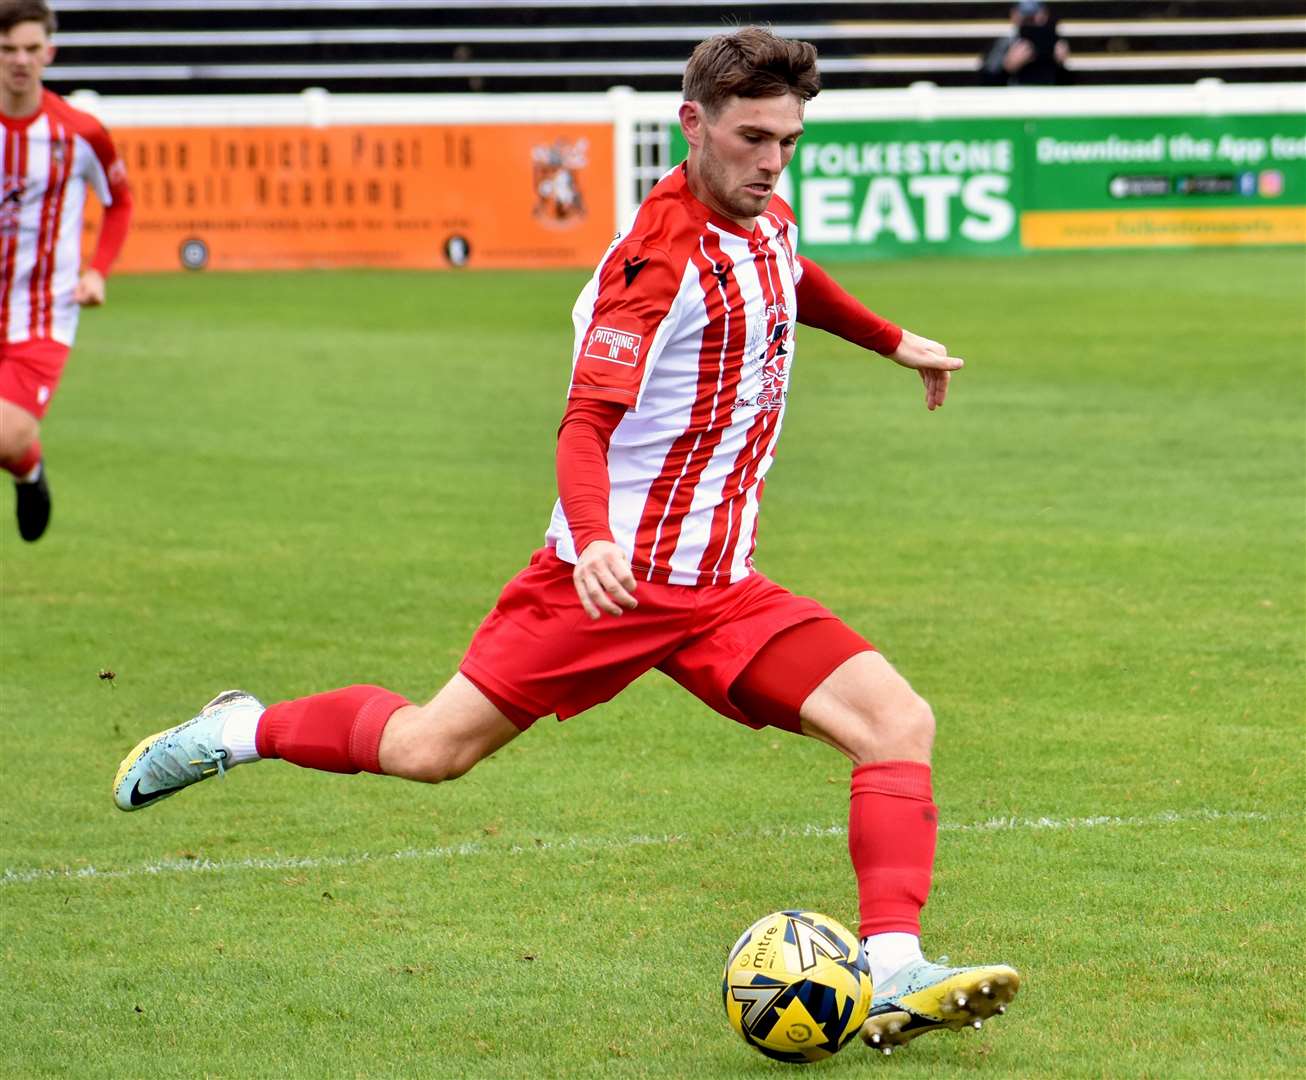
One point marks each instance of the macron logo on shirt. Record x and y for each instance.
(614, 346)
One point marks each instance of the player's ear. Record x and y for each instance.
(49, 55)
(692, 122)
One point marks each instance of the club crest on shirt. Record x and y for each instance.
(11, 205)
(773, 361)
(775, 376)
(613, 345)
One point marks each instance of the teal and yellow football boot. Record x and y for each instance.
(167, 761)
(923, 996)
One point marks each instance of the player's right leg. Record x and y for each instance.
(356, 729)
(534, 654)
(445, 737)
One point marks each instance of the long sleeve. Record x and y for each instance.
(113, 229)
(108, 176)
(582, 467)
(825, 304)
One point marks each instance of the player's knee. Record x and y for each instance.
(903, 730)
(16, 439)
(438, 764)
(915, 723)
(436, 768)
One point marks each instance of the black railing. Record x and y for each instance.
(262, 46)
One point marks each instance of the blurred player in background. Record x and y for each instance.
(52, 154)
(684, 346)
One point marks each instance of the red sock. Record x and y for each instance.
(339, 731)
(27, 462)
(892, 825)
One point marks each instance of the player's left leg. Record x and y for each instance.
(761, 655)
(20, 456)
(822, 679)
(869, 712)
(780, 660)
(29, 375)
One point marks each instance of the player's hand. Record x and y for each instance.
(603, 579)
(90, 289)
(932, 361)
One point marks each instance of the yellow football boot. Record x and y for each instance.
(923, 996)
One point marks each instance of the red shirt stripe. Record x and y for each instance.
(729, 511)
(714, 266)
(15, 168)
(46, 235)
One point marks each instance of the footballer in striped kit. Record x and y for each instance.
(711, 309)
(680, 374)
(53, 156)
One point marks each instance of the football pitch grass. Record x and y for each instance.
(1092, 562)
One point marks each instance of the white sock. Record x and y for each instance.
(33, 476)
(888, 953)
(238, 736)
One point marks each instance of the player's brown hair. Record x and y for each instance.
(13, 12)
(750, 63)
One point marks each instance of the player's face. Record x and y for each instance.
(737, 155)
(24, 53)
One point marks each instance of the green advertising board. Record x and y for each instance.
(890, 188)
(885, 188)
(1144, 181)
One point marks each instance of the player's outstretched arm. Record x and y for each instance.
(932, 361)
(825, 304)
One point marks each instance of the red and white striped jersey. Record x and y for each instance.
(689, 321)
(50, 158)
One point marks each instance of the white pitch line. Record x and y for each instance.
(1163, 817)
(37, 874)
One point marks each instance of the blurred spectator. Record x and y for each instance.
(1031, 54)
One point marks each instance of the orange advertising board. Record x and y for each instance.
(260, 198)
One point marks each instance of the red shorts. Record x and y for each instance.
(30, 371)
(538, 652)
